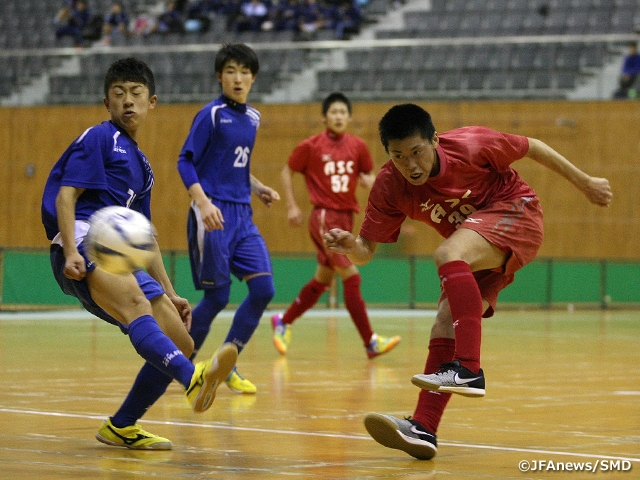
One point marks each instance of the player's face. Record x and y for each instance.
(415, 158)
(236, 81)
(337, 117)
(129, 103)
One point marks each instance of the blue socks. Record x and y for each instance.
(165, 361)
(202, 316)
(155, 347)
(149, 386)
(247, 317)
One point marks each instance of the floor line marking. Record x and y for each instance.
(319, 434)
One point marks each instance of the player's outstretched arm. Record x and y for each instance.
(596, 189)
(359, 250)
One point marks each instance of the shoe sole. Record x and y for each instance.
(434, 387)
(220, 369)
(242, 392)
(386, 433)
(155, 446)
(281, 348)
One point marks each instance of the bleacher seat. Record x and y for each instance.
(483, 70)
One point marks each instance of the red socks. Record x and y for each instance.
(306, 299)
(312, 291)
(431, 405)
(465, 302)
(355, 305)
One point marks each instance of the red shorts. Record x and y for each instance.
(515, 227)
(321, 221)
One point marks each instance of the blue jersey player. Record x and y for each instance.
(104, 167)
(215, 167)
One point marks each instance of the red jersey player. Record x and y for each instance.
(333, 163)
(460, 183)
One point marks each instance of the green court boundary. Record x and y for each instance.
(388, 281)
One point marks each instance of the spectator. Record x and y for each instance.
(346, 18)
(116, 21)
(282, 16)
(311, 18)
(71, 20)
(144, 24)
(252, 14)
(197, 17)
(222, 7)
(630, 70)
(170, 21)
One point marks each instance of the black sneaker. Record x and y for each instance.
(406, 435)
(452, 378)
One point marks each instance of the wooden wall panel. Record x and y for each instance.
(600, 137)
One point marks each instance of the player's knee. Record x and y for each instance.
(261, 290)
(444, 254)
(216, 299)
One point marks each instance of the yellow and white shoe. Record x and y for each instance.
(238, 384)
(208, 375)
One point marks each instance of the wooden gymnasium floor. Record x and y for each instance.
(563, 387)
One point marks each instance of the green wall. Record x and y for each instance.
(387, 281)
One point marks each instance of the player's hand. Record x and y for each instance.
(212, 217)
(267, 195)
(183, 308)
(339, 241)
(598, 191)
(74, 266)
(366, 180)
(294, 215)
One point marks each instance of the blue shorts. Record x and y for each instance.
(80, 289)
(239, 249)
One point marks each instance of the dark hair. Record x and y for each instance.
(403, 121)
(239, 52)
(130, 70)
(333, 98)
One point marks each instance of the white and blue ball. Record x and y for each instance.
(120, 240)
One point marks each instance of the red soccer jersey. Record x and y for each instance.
(331, 165)
(474, 172)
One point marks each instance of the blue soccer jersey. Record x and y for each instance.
(217, 150)
(106, 162)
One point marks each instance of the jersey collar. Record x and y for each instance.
(241, 107)
(123, 132)
(336, 137)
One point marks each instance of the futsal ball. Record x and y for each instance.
(120, 240)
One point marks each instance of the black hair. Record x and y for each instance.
(241, 53)
(130, 70)
(333, 98)
(403, 121)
